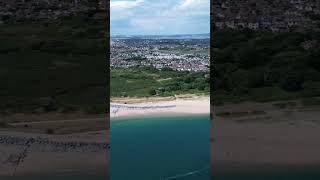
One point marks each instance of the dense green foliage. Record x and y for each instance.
(265, 66)
(47, 67)
(146, 82)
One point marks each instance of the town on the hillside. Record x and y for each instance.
(176, 54)
(15, 11)
(275, 15)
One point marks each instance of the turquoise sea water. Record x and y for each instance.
(155, 148)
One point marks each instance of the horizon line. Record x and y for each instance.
(159, 34)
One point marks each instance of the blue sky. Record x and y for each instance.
(159, 17)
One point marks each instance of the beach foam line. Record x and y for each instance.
(47, 145)
(186, 174)
(121, 106)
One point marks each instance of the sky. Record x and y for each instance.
(159, 17)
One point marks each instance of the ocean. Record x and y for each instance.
(160, 148)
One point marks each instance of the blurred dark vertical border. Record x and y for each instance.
(107, 7)
(265, 89)
(55, 89)
(211, 85)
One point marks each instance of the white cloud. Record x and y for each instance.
(189, 8)
(188, 3)
(161, 16)
(146, 24)
(121, 15)
(120, 9)
(121, 5)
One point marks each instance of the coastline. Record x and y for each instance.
(137, 107)
(261, 138)
(30, 154)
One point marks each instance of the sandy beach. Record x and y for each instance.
(159, 107)
(35, 154)
(259, 137)
(78, 143)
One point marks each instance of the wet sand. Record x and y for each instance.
(251, 138)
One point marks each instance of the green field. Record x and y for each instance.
(147, 82)
(53, 67)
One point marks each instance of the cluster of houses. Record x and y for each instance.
(275, 15)
(15, 11)
(173, 54)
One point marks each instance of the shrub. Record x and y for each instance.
(50, 131)
(96, 109)
(315, 101)
(152, 92)
(3, 124)
(311, 88)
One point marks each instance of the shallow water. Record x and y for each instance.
(155, 148)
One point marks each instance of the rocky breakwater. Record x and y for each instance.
(29, 153)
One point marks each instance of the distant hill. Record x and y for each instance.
(179, 36)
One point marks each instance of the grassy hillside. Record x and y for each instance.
(265, 66)
(53, 67)
(147, 82)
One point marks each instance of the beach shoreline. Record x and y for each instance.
(261, 137)
(36, 154)
(178, 106)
